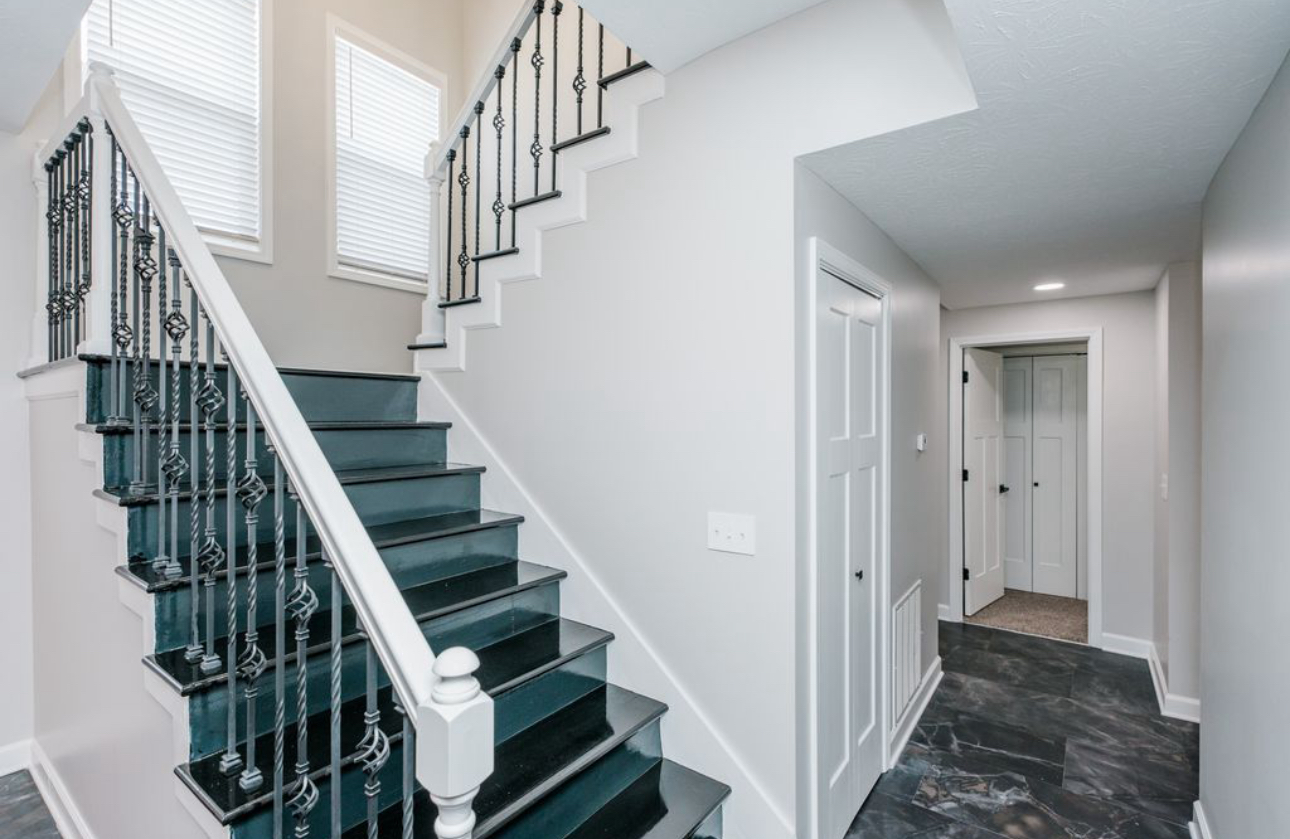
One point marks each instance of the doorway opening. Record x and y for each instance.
(1025, 484)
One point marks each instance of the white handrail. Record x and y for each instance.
(390, 625)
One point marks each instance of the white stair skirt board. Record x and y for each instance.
(15, 757)
(1199, 826)
(905, 726)
(622, 112)
(62, 807)
(692, 731)
(1172, 705)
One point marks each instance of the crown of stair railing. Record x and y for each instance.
(124, 262)
(517, 139)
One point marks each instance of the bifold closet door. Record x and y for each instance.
(1016, 470)
(1055, 421)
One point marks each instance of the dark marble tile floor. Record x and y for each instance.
(23, 814)
(1028, 738)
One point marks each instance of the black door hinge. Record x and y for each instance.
(967, 575)
(965, 377)
(965, 476)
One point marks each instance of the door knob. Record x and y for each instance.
(1004, 488)
(860, 575)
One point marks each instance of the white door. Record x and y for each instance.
(983, 487)
(1056, 488)
(1081, 480)
(1016, 473)
(849, 485)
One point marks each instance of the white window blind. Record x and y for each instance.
(386, 119)
(190, 74)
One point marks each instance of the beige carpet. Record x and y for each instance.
(1063, 618)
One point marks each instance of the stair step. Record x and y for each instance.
(540, 759)
(427, 602)
(389, 535)
(504, 666)
(624, 73)
(536, 199)
(460, 301)
(434, 345)
(484, 257)
(128, 497)
(667, 802)
(580, 139)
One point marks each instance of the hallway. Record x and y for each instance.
(1033, 738)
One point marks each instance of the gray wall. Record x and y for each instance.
(1245, 575)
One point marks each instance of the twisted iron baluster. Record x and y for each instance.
(535, 149)
(139, 381)
(409, 773)
(463, 178)
(196, 653)
(163, 563)
(516, 45)
(555, 87)
(302, 605)
(374, 750)
(122, 334)
(113, 417)
(479, 180)
(499, 123)
(174, 467)
(231, 761)
(72, 257)
(600, 74)
(84, 190)
(251, 666)
(337, 601)
(211, 557)
(580, 80)
(145, 395)
(280, 646)
(452, 164)
(53, 236)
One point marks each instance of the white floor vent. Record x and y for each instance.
(907, 649)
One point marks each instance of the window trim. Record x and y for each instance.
(260, 249)
(335, 268)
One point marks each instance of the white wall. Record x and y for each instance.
(648, 378)
(1245, 672)
(1159, 505)
(1128, 436)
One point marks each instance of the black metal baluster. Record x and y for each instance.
(196, 652)
(145, 394)
(122, 333)
(374, 750)
(499, 124)
(174, 467)
(463, 179)
(409, 774)
(54, 236)
(73, 256)
(447, 291)
(231, 761)
(302, 605)
(113, 417)
(629, 56)
(280, 647)
(250, 492)
(516, 45)
(580, 80)
(600, 74)
(337, 603)
(556, 9)
(479, 181)
(161, 562)
(212, 555)
(85, 193)
(139, 381)
(535, 150)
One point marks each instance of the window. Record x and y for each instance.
(190, 73)
(386, 117)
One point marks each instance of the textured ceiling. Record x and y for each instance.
(34, 34)
(670, 33)
(1099, 127)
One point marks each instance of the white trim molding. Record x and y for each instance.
(1172, 705)
(1199, 826)
(905, 726)
(955, 464)
(15, 757)
(944, 613)
(67, 816)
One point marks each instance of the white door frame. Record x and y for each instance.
(954, 477)
(829, 262)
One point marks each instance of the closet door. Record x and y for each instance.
(1017, 427)
(1055, 490)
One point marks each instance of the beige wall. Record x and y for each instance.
(1128, 435)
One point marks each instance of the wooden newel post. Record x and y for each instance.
(455, 742)
(432, 317)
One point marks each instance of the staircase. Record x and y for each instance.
(576, 756)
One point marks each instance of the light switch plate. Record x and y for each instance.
(920, 443)
(732, 533)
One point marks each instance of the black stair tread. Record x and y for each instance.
(667, 802)
(504, 665)
(427, 602)
(434, 345)
(539, 759)
(460, 301)
(584, 137)
(113, 429)
(383, 536)
(624, 73)
(294, 371)
(129, 497)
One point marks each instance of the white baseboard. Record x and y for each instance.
(904, 727)
(1172, 705)
(15, 757)
(1199, 825)
(943, 612)
(71, 824)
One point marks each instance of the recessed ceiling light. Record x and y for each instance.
(1050, 286)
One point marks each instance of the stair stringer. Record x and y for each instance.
(622, 113)
(69, 381)
(690, 733)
